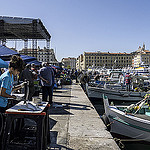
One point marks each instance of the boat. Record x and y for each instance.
(113, 92)
(131, 122)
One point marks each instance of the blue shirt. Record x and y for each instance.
(47, 73)
(6, 81)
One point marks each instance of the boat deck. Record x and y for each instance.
(142, 116)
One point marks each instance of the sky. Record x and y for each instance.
(78, 26)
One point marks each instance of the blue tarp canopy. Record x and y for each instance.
(3, 64)
(30, 60)
(5, 51)
(35, 62)
(27, 58)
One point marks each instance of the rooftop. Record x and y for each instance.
(106, 53)
(22, 28)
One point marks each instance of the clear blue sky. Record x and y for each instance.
(88, 25)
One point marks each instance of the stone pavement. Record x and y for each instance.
(75, 124)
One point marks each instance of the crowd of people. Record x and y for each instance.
(18, 75)
(46, 76)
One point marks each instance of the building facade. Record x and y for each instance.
(141, 56)
(80, 63)
(113, 60)
(42, 55)
(104, 59)
(69, 63)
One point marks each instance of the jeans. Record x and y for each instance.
(128, 87)
(2, 120)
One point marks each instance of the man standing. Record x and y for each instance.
(28, 76)
(76, 75)
(121, 80)
(128, 81)
(46, 75)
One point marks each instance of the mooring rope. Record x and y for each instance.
(119, 141)
(121, 145)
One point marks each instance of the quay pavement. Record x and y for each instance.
(75, 124)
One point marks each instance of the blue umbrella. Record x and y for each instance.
(3, 64)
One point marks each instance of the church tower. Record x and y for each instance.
(143, 48)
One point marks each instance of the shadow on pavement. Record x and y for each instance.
(52, 123)
(63, 107)
(65, 96)
(53, 145)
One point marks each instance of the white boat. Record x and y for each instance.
(133, 125)
(114, 93)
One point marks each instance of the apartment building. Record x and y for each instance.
(101, 59)
(42, 55)
(115, 60)
(141, 56)
(69, 63)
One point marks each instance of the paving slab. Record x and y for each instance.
(75, 124)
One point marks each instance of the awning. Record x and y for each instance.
(3, 64)
(5, 51)
(27, 59)
(35, 62)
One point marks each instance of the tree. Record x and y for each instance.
(68, 67)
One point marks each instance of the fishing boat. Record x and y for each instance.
(129, 121)
(113, 92)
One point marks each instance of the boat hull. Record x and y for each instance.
(95, 92)
(127, 125)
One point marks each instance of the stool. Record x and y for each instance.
(39, 118)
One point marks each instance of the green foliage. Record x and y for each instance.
(68, 67)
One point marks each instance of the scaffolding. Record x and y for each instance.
(26, 29)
